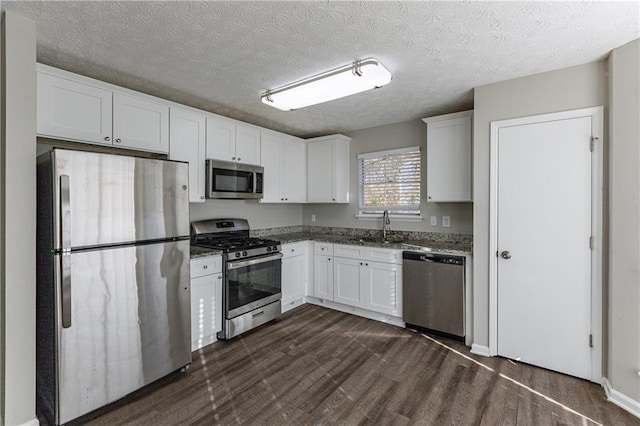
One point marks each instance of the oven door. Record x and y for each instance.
(252, 283)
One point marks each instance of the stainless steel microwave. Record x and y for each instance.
(233, 180)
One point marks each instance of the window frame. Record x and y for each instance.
(364, 212)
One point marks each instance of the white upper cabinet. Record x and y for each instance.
(76, 108)
(229, 141)
(73, 111)
(247, 144)
(284, 161)
(140, 124)
(188, 144)
(328, 169)
(449, 157)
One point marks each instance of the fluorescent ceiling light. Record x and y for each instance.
(344, 81)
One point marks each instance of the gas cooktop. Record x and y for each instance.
(231, 236)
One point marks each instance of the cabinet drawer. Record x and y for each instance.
(206, 266)
(352, 252)
(294, 249)
(323, 248)
(377, 254)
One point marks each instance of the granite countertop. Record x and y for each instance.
(394, 243)
(197, 252)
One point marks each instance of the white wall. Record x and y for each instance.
(259, 215)
(400, 135)
(18, 219)
(624, 220)
(576, 87)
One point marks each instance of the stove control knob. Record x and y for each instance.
(275, 248)
(237, 254)
(244, 253)
(268, 248)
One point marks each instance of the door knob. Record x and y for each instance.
(505, 255)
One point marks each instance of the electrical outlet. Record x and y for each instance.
(313, 218)
(434, 220)
(446, 221)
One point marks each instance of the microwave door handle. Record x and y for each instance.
(65, 231)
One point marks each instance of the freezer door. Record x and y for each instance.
(114, 199)
(129, 323)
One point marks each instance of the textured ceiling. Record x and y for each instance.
(220, 56)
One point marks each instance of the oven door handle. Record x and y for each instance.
(242, 263)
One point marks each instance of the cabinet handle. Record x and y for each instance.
(118, 140)
(329, 259)
(333, 199)
(107, 138)
(429, 196)
(360, 263)
(233, 158)
(220, 276)
(239, 158)
(366, 264)
(281, 199)
(204, 266)
(202, 197)
(292, 250)
(286, 199)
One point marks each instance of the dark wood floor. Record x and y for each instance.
(319, 366)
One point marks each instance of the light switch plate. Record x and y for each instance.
(434, 220)
(446, 221)
(313, 218)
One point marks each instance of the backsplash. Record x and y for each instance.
(366, 233)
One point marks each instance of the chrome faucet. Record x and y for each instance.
(385, 224)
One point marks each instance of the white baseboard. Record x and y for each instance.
(32, 422)
(480, 350)
(620, 399)
(389, 319)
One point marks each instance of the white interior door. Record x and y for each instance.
(544, 223)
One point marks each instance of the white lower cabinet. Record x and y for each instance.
(347, 279)
(352, 276)
(323, 271)
(206, 300)
(381, 288)
(369, 285)
(295, 267)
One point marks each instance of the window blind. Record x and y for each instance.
(390, 180)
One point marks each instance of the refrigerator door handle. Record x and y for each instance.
(65, 231)
(66, 289)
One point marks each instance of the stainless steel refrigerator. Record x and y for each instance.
(113, 294)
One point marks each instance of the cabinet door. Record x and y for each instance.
(320, 171)
(323, 277)
(293, 174)
(293, 280)
(382, 288)
(206, 309)
(271, 158)
(346, 281)
(449, 160)
(187, 143)
(247, 145)
(140, 124)
(73, 111)
(221, 139)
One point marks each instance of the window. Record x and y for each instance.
(390, 180)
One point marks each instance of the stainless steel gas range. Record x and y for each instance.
(252, 269)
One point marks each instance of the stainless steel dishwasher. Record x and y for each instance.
(433, 292)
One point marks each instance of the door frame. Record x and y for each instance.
(596, 114)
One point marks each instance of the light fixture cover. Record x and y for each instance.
(344, 81)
